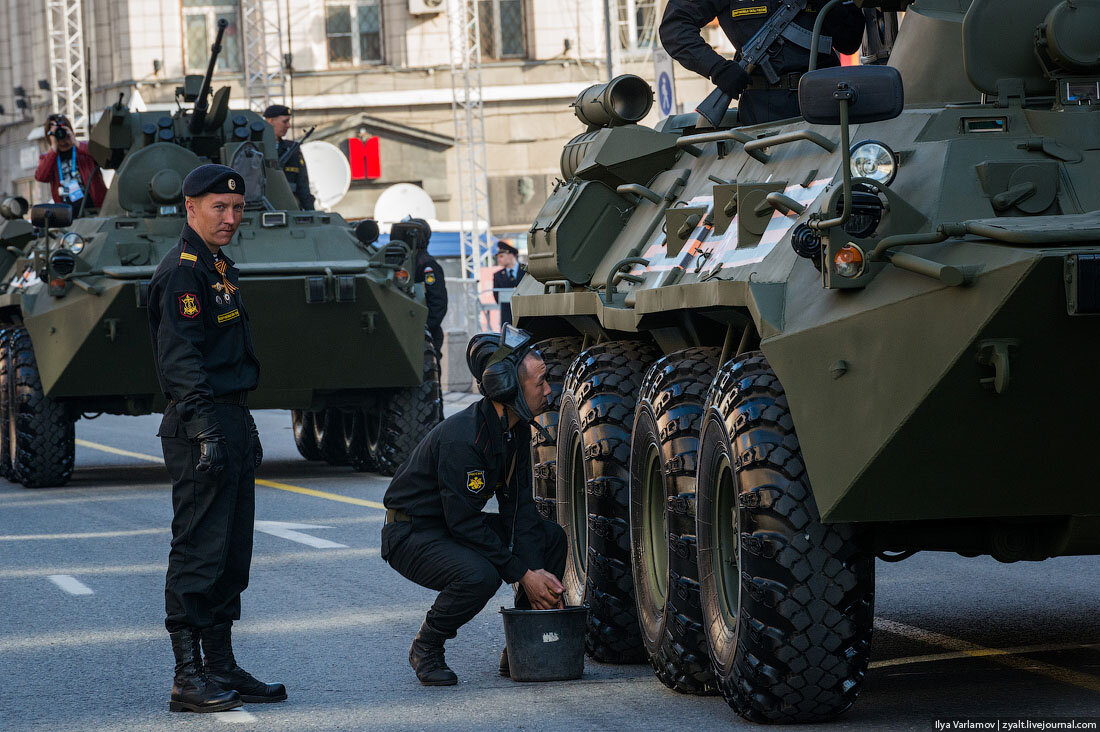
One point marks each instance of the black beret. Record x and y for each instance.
(213, 179)
(276, 110)
(506, 246)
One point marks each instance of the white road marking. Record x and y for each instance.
(287, 530)
(235, 716)
(70, 584)
(86, 535)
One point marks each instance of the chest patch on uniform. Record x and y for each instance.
(750, 11)
(189, 305)
(231, 315)
(475, 481)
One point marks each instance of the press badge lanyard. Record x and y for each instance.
(74, 193)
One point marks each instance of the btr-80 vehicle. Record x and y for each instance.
(337, 324)
(788, 349)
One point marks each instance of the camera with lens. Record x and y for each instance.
(60, 133)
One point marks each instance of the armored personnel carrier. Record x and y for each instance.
(338, 324)
(786, 350)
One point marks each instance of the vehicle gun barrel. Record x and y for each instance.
(198, 116)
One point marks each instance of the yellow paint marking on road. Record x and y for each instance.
(259, 481)
(955, 655)
(1063, 675)
(87, 535)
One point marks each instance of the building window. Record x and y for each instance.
(200, 19)
(637, 25)
(354, 32)
(502, 28)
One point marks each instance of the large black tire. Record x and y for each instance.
(557, 353)
(328, 434)
(406, 416)
(301, 422)
(42, 438)
(5, 431)
(663, 455)
(788, 601)
(593, 479)
(356, 444)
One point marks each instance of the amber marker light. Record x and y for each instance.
(401, 276)
(848, 261)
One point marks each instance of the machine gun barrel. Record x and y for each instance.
(198, 116)
(295, 146)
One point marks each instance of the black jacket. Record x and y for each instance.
(740, 20)
(297, 176)
(202, 346)
(454, 471)
(430, 273)
(501, 280)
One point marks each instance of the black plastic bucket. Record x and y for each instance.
(545, 645)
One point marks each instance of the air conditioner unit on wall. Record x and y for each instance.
(427, 7)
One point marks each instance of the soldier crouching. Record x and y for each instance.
(436, 531)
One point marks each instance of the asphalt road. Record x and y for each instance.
(956, 639)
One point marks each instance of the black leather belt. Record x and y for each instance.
(238, 398)
(786, 81)
(395, 516)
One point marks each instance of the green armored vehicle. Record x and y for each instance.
(786, 350)
(338, 324)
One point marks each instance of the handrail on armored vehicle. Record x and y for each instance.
(130, 272)
(688, 142)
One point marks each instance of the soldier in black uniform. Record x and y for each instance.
(740, 20)
(430, 273)
(203, 353)
(506, 278)
(436, 533)
(278, 116)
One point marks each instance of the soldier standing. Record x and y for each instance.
(759, 101)
(436, 532)
(278, 116)
(430, 273)
(203, 353)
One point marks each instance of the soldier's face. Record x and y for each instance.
(215, 216)
(506, 259)
(532, 380)
(281, 125)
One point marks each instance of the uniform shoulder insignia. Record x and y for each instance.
(186, 256)
(189, 305)
(429, 276)
(475, 481)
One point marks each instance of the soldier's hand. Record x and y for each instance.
(213, 452)
(731, 79)
(543, 589)
(257, 448)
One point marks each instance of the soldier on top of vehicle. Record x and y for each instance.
(758, 101)
(297, 175)
(68, 168)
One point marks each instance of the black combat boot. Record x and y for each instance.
(503, 669)
(192, 689)
(427, 659)
(222, 668)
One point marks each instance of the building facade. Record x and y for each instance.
(372, 75)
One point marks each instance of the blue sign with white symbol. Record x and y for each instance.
(664, 94)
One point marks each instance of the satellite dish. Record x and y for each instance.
(404, 199)
(329, 172)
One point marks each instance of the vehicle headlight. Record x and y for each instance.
(848, 261)
(73, 241)
(872, 159)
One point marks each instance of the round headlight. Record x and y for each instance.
(73, 241)
(848, 261)
(874, 160)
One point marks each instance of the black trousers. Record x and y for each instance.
(212, 525)
(437, 339)
(505, 313)
(465, 580)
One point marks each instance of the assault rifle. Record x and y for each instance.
(754, 55)
(294, 147)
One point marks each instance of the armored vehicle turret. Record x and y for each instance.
(337, 323)
(786, 350)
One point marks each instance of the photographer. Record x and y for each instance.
(68, 167)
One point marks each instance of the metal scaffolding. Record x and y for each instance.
(68, 85)
(264, 80)
(469, 122)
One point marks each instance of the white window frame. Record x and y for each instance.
(629, 26)
(497, 41)
(212, 10)
(356, 56)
